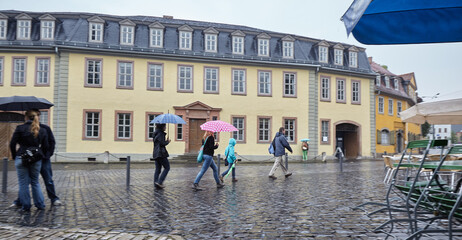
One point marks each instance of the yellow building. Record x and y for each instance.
(394, 94)
(109, 76)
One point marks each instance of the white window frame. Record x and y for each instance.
(290, 126)
(387, 82)
(264, 83)
(155, 76)
(96, 75)
(325, 131)
(44, 117)
(95, 123)
(385, 137)
(95, 32)
(185, 41)
(23, 29)
(263, 47)
(288, 49)
(3, 28)
(151, 127)
(396, 83)
(399, 107)
(290, 84)
(43, 71)
(378, 80)
(353, 59)
(323, 54)
(19, 75)
(124, 128)
(390, 107)
(239, 81)
(238, 45)
(47, 30)
(211, 42)
(2, 68)
(341, 91)
(179, 130)
(338, 56)
(185, 76)
(264, 129)
(211, 80)
(381, 105)
(325, 88)
(157, 37)
(127, 35)
(239, 123)
(355, 91)
(125, 76)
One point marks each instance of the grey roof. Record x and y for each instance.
(71, 30)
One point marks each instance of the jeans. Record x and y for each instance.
(47, 176)
(29, 176)
(227, 170)
(161, 162)
(208, 162)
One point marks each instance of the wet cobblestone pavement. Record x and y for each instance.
(315, 203)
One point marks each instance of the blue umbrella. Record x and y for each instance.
(23, 103)
(304, 140)
(168, 118)
(404, 21)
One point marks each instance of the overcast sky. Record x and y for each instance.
(436, 66)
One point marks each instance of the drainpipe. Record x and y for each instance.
(57, 82)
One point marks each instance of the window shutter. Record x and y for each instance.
(379, 137)
(392, 137)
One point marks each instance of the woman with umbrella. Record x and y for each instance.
(160, 155)
(209, 147)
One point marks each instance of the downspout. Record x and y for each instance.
(57, 82)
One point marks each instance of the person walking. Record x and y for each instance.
(27, 135)
(160, 155)
(209, 147)
(230, 157)
(280, 144)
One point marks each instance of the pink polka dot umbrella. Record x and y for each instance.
(218, 126)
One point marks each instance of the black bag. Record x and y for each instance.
(31, 155)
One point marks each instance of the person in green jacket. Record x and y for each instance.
(230, 157)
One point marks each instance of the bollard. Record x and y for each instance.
(128, 172)
(287, 161)
(5, 174)
(341, 161)
(218, 161)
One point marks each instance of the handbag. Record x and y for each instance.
(31, 155)
(200, 156)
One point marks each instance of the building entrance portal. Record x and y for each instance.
(8, 123)
(195, 134)
(347, 137)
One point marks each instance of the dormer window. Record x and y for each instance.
(211, 36)
(396, 84)
(263, 44)
(23, 27)
(47, 27)
(156, 35)
(353, 57)
(377, 80)
(185, 40)
(323, 52)
(3, 26)
(238, 42)
(127, 32)
(338, 54)
(387, 82)
(96, 29)
(288, 47)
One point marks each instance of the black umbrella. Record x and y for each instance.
(23, 103)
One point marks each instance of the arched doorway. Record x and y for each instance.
(348, 138)
(8, 123)
(399, 141)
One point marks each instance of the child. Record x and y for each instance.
(230, 157)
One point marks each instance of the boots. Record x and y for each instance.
(196, 187)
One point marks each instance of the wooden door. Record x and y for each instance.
(195, 134)
(6, 132)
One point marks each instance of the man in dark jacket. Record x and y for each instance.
(160, 155)
(280, 144)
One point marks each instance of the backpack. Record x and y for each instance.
(272, 147)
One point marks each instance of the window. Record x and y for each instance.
(211, 80)
(377, 80)
(325, 89)
(290, 128)
(23, 29)
(338, 56)
(185, 78)
(150, 127)
(1, 70)
(290, 85)
(215, 134)
(127, 35)
(94, 73)
(341, 91)
(44, 117)
(179, 130)
(185, 40)
(264, 126)
(210, 43)
(353, 59)
(96, 32)
(124, 126)
(325, 131)
(287, 49)
(125, 75)
(387, 81)
(381, 105)
(263, 47)
(323, 54)
(385, 137)
(47, 30)
(92, 125)
(396, 84)
(238, 45)
(19, 71)
(157, 37)
(355, 92)
(239, 123)
(3, 28)
(439, 130)
(155, 76)
(264, 83)
(43, 71)
(399, 107)
(390, 106)
(238, 81)
(445, 130)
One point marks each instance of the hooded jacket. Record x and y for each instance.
(229, 151)
(159, 144)
(280, 142)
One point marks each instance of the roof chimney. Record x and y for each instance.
(167, 17)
